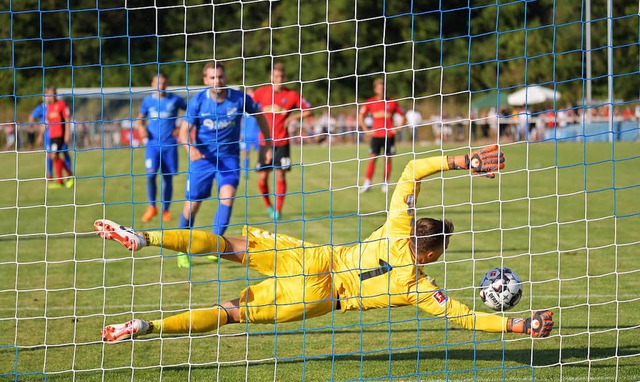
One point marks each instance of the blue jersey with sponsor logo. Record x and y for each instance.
(217, 124)
(161, 113)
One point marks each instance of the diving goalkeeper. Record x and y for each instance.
(309, 280)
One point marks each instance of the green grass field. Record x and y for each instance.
(565, 217)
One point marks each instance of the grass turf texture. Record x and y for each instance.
(58, 289)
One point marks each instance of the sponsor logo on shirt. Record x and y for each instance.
(411, 203)
(154, 114)
(274, 109)
(440, 298)
(218, 124)
(209, 123)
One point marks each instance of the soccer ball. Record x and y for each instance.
(500, 289)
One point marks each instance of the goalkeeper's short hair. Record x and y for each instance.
(431, 234)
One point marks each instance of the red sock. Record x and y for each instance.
(263, 187)
(387, 171)
(370, 168)
(281, 189)
(57, 166)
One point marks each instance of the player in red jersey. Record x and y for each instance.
(381, 110)
(277, 103)
(55, 121)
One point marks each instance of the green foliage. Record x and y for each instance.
(335, 48)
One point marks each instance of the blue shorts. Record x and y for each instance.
(163, 158)
(250, 144)
(225, 171)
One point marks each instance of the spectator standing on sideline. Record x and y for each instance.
(414, 119)
(9, 130)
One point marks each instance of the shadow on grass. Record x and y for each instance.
(524, 357)
(340, 331)
(582, 357)
(541, 357)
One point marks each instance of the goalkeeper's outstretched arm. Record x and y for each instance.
(481, 162)
(436, 303)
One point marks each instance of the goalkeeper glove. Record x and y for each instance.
(481, 162)
(539, 324)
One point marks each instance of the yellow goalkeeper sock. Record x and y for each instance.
(187, 241)
(192, 321)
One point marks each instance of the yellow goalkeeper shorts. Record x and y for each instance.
(299, 286)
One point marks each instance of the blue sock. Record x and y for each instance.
(167, 191)
(49, 167)
(67, 160)
(186, 222)
(152, 189)
(221, 220)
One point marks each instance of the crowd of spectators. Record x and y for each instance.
(506, 124)
(521, 123)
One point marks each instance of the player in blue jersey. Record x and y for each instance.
(160, 110)
(38, 117)
(215, 113)
(250, 138)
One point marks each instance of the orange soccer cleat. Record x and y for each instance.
(149, 214)
(166, 216)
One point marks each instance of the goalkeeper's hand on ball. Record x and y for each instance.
(481, 162)
(539, 324)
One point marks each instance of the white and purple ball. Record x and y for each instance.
(500, 289)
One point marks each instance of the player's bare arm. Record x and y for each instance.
(363, 126)
(297, 116)
(67, 131)
(39, 128)
(185, 139)
(266, 132)
(403, 120)
(142, 128)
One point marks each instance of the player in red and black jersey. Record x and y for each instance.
(381, 110)
(56, 118)
(277, 103)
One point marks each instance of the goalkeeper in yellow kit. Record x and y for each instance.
(309, 280)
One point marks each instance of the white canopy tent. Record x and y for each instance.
(532, 95)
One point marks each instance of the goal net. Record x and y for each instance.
(554, 83)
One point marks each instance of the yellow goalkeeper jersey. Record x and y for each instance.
(381, 272)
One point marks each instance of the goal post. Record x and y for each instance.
(553, 83)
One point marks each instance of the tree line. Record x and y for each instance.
(332, 49)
